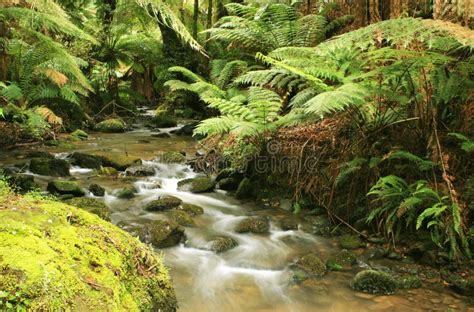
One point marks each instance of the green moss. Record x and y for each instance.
(107, 171)
(125, 193)
(173, 157)
(118, 161)
(350, 242)
(196, 185)
(86, 160)
(164, 203)
(91, 205)
(253, 225)
(193, 210)
(408, 282)
(223, 243)
(161, 233)
(311, 264)
(111, 125)
(79, 135)
(181, 217)
(61, 187)
(245, 189)
(374, 282)
(49, 166)
(62, 258)
(164, 121)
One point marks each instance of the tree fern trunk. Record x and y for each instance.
(195, 18)
(3, 53)
(209, 16)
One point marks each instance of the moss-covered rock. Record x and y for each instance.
(23, 182)
(246, 189)
(196, 185)
(408, 282)
(86, 160)
(113, 125)
(56, 257)
(181, 217)
(228, 184)
(91, 205)
(125, 193)
(49, 166)
(166, 202)
(97, 190)
(173, 157)
(140, 171)
(62, 187)
(222, 243)
(192, 209)
(161, 233)
(118, 161)
(311, 264)
(345, 258)
(107, 171)
(463, 285)
(289, 224)
(257, 225)
(374, 282)
(79, 135)
(164, 121)
(350, 242)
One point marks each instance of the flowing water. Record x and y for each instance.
(255, 275)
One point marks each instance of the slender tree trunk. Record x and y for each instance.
(221, 11)
(3, 53)
(195, 18)
(209, 16)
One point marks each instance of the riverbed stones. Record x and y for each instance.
(97, 190)
(288, 224)
(119, 161)
(222, 243)
(49, 166)
(311, 264)
(350, 242)
(84, 160)
(91, 205)
(192, 209)
(374, 282)
(125, 193)
(62, 187)
(408, 282)
(166, 202)
(245, 190)
(196, 185)
(161, 233)
(140, 171)
(181, 217)
(173, 157)
(257, 225)
(163, 121)
(113, 125)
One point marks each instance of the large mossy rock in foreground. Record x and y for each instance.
(61, 258)
(111, 125)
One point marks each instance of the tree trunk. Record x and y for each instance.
(209, 16)
(3, 53)
(195, 18)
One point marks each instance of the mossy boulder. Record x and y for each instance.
(289, 224)
(258, 225)
(49, 166)
(79, 135)
(344, 259)
(350, 242)
(181, 217)
(91, 205)
(125, 193)
(192, 209)
(246, 189)
(62, 187)
(374, 282)
(229, 173)
(463, 285)
(97, 190)
(113, 125)
(311, 264)
(164, 121)
(197, 185)
(84, 160)
(228, 184)
(119, 161)
(165, 202)
(161, 233)
(408, 282)
(222, 243)
(23, 182)
(173, 157)
(107, 171)
(140, 171)
(57, 257)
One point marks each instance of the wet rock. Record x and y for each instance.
(464, 286)
(181, 217)
(288, 224)
(114, 125)
(163, 121)
(192, 209)
(258, 225)
(228, 184)
(299, 276)
(125, 193)
(318, 225)
(22, 183)
(140, 171)
(84, 160)
(166, 202)
(376, 240)
(107, 171)
(222, 243)
(79, 135)
(119, 162)
(346, 258)
(196, 185)
(39, 154)
(245, 189)
(173, 157)
(374, 282)
(332, 265)
(161, 233)
(408, 282)
(49, 166)
(97, 190)
(61, 187)
(350, 242)
(162, 135)
(311, 264)
(91, 205)
(229, 173)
